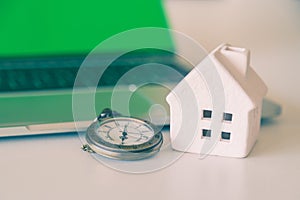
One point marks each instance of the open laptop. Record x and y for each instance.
(43, 44)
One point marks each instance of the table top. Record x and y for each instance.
(54, 166)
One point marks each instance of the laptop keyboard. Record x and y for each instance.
(35, 79)
(31, 74)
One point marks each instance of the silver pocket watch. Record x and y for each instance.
(126, 138)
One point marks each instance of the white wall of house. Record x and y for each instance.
(202, 82)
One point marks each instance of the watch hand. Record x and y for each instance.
(117, 125)
(124, 134)
(123, 137)
(133, 133)
(141, 136)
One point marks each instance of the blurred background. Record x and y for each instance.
(270, 29)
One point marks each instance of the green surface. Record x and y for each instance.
(65, 27)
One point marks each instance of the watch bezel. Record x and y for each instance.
(128, 152)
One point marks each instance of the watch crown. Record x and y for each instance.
(105, 114)
(108, 113)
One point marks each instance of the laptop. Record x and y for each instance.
(43, 45)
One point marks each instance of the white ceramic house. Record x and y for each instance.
(216, 108)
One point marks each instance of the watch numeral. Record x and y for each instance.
(107, 126)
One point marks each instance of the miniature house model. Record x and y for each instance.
(216, 108)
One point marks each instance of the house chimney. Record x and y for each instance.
(238, 57)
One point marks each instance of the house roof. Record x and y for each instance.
(237, 62)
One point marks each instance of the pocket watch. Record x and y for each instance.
(126, 138)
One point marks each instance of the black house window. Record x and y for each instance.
(206, 133)
(207, 114)
(225, 136)
(227, 117)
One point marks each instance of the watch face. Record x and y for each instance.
(125, 131)
(124, 138)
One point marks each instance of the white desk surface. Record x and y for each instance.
(54, 167)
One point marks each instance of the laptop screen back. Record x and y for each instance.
(60, 27)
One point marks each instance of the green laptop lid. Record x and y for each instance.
(31, 28)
